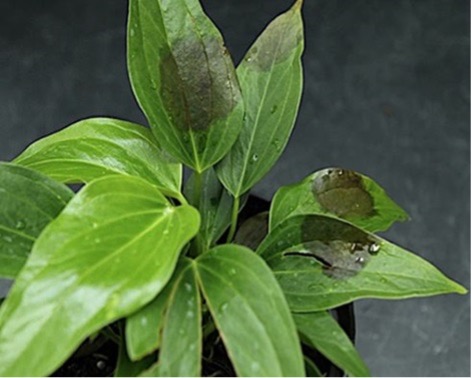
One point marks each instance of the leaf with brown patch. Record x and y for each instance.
(338, 192)
(184, 80)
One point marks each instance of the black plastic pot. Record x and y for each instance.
(99, 357)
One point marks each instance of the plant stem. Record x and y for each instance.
(197, 189)
(234, 220)
(197, 244)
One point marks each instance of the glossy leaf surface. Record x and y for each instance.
(181, 349)
(323, 262)
(239, 290)
(143, 328)
(184, 80)
(325, 334)
(108, 254)
(340, 193)
(28, 202)
(97, 147)
(271, 82)
(215, 206)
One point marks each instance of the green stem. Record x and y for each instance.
(197, 244)
(234, 220)
(197, 189)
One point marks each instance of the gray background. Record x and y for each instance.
(386, 93)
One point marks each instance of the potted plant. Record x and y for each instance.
(168, 273)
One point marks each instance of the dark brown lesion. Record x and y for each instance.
(342, 249)
(198, 83)
(342, 192)
(278, 42)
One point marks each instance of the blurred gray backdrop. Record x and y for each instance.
(387, 93)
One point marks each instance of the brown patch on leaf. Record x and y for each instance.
(253, 231)
(342, 192)
(342, 249)
(278, 41)
(198, 83)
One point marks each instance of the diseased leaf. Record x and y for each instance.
(108, 254)
(341, 193)
(325, 334)
(253, 231)
(96, 147)
(125, 367)
(322, 262)
(271, 82)
(239, 289)
(28, 202)
(184, 80)
(181, 349)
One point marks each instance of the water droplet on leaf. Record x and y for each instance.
(273, 109)
(374, 248)
(223, 307)
(20, 225)
(255, 157)
(188, 287)
(8, 239)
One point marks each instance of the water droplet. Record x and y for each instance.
(360, 259)
(97, 240)
(273, 109)
(131, 32)
(255, 157)
(248, 59)
(168, 210)
(188, 287)
(20, 225)
(190, 314)
(255, 366)
(374, 248)
(144, 322)
(101, 365)
(232, 272)
(8, 239)
(277, 144)
(192, 346)
(340, 172)
(94, 225)
(223, 307)
(166, 232)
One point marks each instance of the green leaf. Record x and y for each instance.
(184, 80)
(143, 328)
(215, 206)
(341, 193)
(311, 369)
(250, 312)
(325, 334)
(271, 82)
(28, 202)
(181, 349)
(125, 367)
(322, 262)
(97, 147)
(110, 252)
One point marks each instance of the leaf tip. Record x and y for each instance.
(298, 5)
